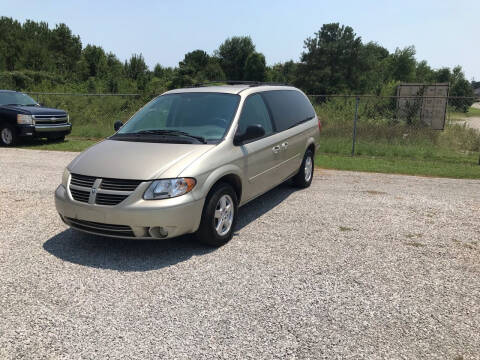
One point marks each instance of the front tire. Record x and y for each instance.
(304, 177)
(8, 135)
(219, 216)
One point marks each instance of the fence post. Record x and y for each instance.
(357, 100)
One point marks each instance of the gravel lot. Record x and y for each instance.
(358, 266)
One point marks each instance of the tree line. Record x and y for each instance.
(335, 60)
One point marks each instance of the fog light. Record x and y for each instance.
(158, 232)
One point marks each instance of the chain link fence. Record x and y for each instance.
(92, 115)
(399, 127)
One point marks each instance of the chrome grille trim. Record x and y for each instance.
(82, 180)
(50, 117)
(101, 191)
(109, 199)
(49, 122)
(120, 185)
(80, 195)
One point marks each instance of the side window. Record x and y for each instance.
(289, 107)
(255, 112)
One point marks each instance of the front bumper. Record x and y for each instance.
(176, 216)
(46, 130)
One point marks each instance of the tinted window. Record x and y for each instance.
(255, 112)
(288, 107)
(14, 98)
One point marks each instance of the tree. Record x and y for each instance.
(330, 62)
(136, 68)
(283, 73)
(233, 54)
(443, 75)
(66, 47)
(424, 73)
(11, 37)
(372, 69)
(194, 62)
(255, 67)
(403, 64)
(36, 55)
(95, 60)
(460, 87)
(213, 71)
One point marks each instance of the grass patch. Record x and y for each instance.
(387, 144)
(71, 143)
(466, 169)
(472, 112)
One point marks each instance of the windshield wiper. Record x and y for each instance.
(173, 133)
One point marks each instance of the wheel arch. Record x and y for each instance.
(230, 175)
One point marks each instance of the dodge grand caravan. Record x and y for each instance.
(188, 159)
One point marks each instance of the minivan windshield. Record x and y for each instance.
(16, 98)
(200, 117)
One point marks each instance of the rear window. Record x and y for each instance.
(288, 107)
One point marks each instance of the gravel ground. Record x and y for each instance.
(358, 266)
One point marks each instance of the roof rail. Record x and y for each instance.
(239, 82)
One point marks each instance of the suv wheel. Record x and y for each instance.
(304, 177)
(8, 135)
(219, 216)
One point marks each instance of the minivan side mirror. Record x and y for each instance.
(118, 124)
(252, 132)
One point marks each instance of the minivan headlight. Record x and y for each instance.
(65, 176)
(169, 188)
(24, 119)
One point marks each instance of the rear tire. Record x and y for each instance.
(8, 135)
(219, 216)
(304, 177)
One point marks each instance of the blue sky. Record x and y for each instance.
(445, 33)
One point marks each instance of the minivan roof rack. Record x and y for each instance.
(239, 82)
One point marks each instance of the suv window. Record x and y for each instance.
(289, 108)
(255, 112)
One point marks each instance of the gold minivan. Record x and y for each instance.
(188, 159)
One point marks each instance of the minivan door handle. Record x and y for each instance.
(285, 145)
(276, 149)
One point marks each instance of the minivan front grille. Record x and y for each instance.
(109, 199)
(101, 228)
(105, 191)
(120, 185)
(81, 180)
(80, 195)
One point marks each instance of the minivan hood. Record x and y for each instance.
(136, 160)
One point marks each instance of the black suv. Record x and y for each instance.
(21, 116)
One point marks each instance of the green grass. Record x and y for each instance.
(465, 168)
(472, 112)
(71, 143)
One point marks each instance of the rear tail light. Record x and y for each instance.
(319, 125)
